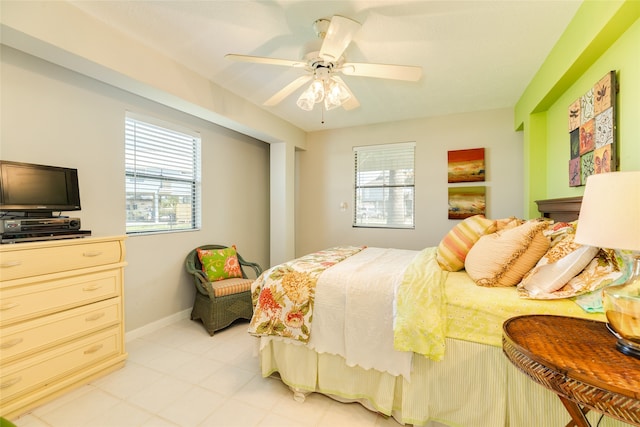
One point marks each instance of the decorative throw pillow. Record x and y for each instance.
(563, 261)
(220, 264)
(603, 270)
(454, 247)
(503, 258)
(506, 223)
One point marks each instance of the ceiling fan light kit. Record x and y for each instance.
(322, 66)
(336, 96)
(327, 89)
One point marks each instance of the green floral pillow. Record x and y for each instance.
(220, 264)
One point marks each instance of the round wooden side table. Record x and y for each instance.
(578, 360)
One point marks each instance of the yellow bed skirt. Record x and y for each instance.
(474, 386)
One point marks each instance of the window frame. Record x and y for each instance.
(382, 199)
(160, 186)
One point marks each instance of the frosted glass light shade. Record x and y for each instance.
(312, 95)
(333, 92)
(336, 95)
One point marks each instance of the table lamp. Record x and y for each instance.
(610, 218)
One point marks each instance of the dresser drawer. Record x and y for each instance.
(36, 260)
(23, 339)
(56, 364)
(25, 302)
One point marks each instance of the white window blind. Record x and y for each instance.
(162, 165)
(384, 186)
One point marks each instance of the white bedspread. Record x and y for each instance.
(356, 321)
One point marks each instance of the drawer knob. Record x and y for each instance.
(10, 343)
(91, 288)
(8, 383)
(10, 264)
(8, 306)
(93, 349)
(93, 317)
(91, 254)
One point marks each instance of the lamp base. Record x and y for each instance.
(625, 346)
(628, 348)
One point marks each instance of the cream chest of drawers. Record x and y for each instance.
(61, 317)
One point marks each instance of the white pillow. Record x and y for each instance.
(562, 262)
(545, 278)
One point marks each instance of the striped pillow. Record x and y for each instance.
(503, 258)
(236, 285)
(455, 246)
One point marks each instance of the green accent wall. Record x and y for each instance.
(603, 36)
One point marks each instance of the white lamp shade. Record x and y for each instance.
(610, 212)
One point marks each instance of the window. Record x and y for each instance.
(384, 186)
(162, 166)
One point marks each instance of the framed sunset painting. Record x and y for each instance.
(466, 165)
(467, 201)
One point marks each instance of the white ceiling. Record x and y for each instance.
(475, 55)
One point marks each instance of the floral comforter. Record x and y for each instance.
(283, 296)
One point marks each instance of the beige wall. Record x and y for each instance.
(50, 29)
(54, 116)
(325, 178)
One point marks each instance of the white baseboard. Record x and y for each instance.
(158, 324)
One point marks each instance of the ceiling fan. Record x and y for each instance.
(324, 63)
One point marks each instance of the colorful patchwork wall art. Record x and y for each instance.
(592, 131)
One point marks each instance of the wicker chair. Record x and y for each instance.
(220, 303)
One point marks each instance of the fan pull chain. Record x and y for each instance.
(322, 120)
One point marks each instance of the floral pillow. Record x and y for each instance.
(603, 270)
(454, 247)
(562, 262)
(220, 264)
(504, 257)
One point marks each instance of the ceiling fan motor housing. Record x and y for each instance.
(321, 26)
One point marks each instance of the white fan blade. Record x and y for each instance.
(338, 37)
(265, 60)
(350, 103)
(382, 71)
(287, 90)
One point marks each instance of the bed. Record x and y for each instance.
(437, 360)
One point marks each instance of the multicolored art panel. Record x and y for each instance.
(602, 95)
(575, 143)
(574, 172)
(604, 128)
(586, 107)
(574, 115)
(586, 166)
(602, 159)
(592, 131)
(587, 143)
(465, 165)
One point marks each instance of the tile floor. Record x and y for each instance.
(180, 376)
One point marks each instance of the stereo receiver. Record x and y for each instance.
(21, 225)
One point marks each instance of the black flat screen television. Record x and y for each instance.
(37, 190)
